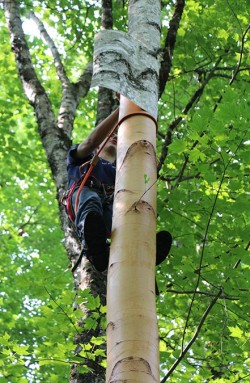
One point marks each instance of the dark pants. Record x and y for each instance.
(92, 200)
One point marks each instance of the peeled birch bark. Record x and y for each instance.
(128, 63)
(124, 65)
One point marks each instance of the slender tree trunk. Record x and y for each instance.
(132, 333)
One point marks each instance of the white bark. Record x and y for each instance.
(128, 63)
(132, 333)
(144, 23)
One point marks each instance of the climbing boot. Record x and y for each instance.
(97, 250)
(163, 245)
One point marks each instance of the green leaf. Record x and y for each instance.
(235, 332)
(21, 350)
(196, 155)
(178, 146)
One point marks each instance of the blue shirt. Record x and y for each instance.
(104, 170)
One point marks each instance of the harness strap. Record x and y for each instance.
(139, 113)
(66, 201)
(93, 163)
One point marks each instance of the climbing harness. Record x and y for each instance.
(108, 190)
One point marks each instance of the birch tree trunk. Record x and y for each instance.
(132, 333)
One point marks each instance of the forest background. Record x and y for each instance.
(203, 193)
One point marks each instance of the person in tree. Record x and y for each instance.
(90, 207)
(93, 216)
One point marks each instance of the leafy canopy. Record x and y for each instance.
(203, 199)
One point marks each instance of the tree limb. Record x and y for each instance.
(56, 56)
(61, 308)
(237, 69)
(223, 296)
(174, 124)
(170, 41)
(190, 343)
(182, 179)
(204, 243)
(71, 93)
(105, 95)
(34, 90)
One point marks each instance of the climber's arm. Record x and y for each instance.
(97, 136)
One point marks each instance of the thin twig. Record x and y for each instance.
(205, 241)
(241, 55)
(60, 307)
(241, 379)
(223, 296)
(184, 178)
(170, 41)
(175, 123)
(236, 71)
(190, 343)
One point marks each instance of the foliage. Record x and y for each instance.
(203, 200)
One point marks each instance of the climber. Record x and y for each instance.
(90, 207)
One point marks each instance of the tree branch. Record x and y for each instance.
(194, 99)
(71, 92)
(205, 241)
(234, 75)
(182, 179)
(190, 343)
(174, 124)
(21, 230)
(188, 292)
(237, 69)
(170, 41)
(107, 15)
(188, 219)
(105, 95)
(34, 90)
(31, 85)
(61, 308)
(56, 56)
